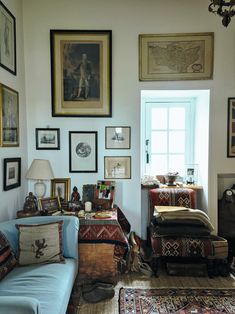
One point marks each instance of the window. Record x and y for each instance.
(169, 135)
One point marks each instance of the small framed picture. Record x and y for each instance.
(117, 167)
(47, 138)
(7, 39)
(9, 117)
(231, 128)
(117, 137)
(83, 151)
(11, 173)
(61, 187)
(191, 174)
(49, 204)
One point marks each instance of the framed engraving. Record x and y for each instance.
(47, 138)
(118, 137)
(117, 167)
(11, 173)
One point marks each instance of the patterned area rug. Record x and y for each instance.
(176, 301)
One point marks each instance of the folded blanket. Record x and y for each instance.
(183, 213)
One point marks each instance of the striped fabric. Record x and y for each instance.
(7, 258)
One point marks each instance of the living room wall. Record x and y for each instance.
(126, 19)
(12, 200)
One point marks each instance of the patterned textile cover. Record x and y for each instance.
(105, 230)
(172, 197)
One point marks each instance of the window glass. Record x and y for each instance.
(176, 141)
(177, 118)
(159, 118)
(176, 164)
(158, 164)
(159, 142)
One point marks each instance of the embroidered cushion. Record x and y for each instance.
(7, 257)
(40, 243)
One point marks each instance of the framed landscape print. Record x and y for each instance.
(81, 73)
(117, 167)
(83, 151)
(11, 173)
(169, 57)
(61, 187)
(7, 39)
(117, 137)
(231, 128)
(9, 117)
(47, 138)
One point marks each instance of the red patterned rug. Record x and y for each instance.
(176, 301)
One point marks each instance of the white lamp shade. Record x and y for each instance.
(40, 169)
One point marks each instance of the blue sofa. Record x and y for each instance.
(42, 288)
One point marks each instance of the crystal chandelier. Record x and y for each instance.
(223, 8)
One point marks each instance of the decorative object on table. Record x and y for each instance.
(81, 73)
(11, 173)
(105, 190)
(8, 39)
(9, 117)
(224, 8)
(40, 170)
(49, 205)
(83, 151)
(231, 128)
(176, 300)
(168, 57)
(88, 192)
(117, 167)
(31, 203)
(191, 174)
(88, 206)
(47, 138)
(117, 137)
(61, 187)
(75, 196)
(171, 178)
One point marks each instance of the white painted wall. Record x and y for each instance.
(127, 19)
(12, 200)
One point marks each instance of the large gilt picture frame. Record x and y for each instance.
(169, 57)
(7, 39)
(231, 128)
(81, 73)
(9, 117)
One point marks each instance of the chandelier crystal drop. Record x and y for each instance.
(224, 9)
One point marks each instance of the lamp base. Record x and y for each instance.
(40, 189)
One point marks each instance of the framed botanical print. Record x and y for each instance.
(47, 138)
(11, 173)
(83, 151)
(117, 167)
(118, 137)
(7, 39)
(81, 73)
(61, 187)
(9, 117)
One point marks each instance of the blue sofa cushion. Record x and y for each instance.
(7, 258)
(40, 243)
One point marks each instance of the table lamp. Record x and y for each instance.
(40, 170)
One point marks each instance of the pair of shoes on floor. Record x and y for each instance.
(97, 292)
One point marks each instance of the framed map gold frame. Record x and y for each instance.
(170, 57)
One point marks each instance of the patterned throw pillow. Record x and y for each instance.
(7, 257)
(40, 244)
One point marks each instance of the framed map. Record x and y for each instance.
(169, 57)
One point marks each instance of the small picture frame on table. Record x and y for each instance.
(49, 205)
(117, 137)
(11, 173)
(117, 167)
(47, 138)
(61, 187)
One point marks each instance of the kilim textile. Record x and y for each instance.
(176, 301)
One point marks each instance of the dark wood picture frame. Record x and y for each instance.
(231, 128)
(47, 138)
(81, 78)
(83, 156)
(11, 173)
(8, 39)
(49, 204)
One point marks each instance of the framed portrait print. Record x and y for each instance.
(117, 167)
(9, 117)
(169, 57)
(11, 173)
(47, 138)
(231, 128)
(61, 187)
(81, 73)
(118, 137)
(7, 39)
(83, 151)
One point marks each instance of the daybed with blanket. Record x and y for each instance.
(179, 232)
